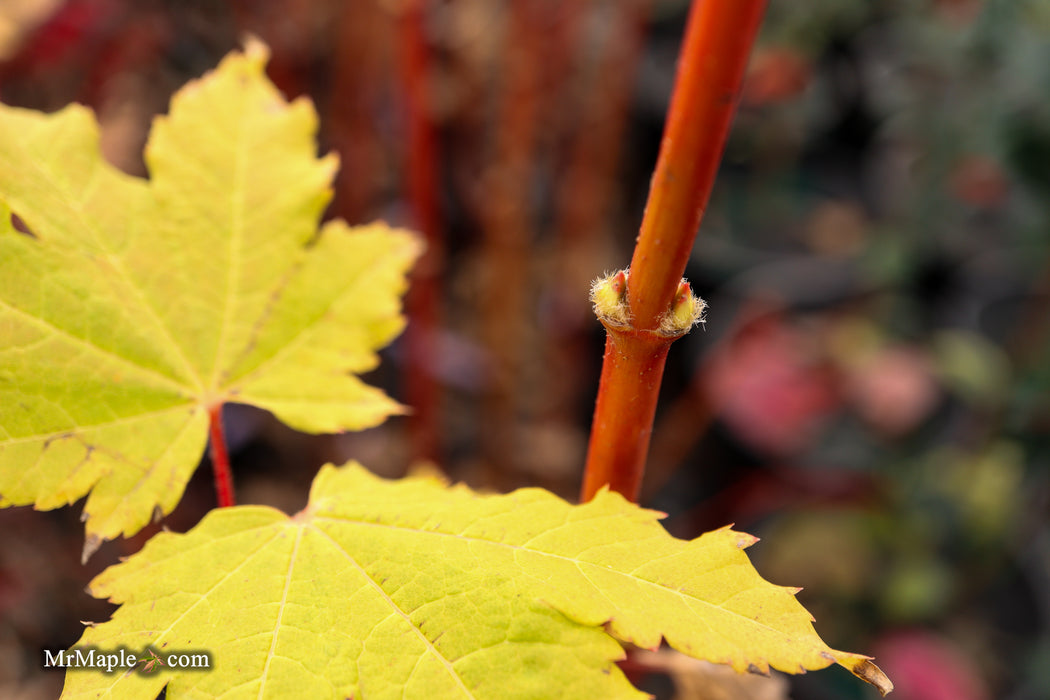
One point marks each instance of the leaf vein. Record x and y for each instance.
(280, 610)
(302, 336)
(76, 430)
(233, 262)
(77, 208)
(401, 613)
(470, 539)
(86, 343)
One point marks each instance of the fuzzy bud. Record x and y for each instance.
(609, 296)
(686, 311)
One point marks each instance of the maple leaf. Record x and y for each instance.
(411, 589)
(133, 306)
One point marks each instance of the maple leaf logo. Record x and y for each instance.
(152, 662)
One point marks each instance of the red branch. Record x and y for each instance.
(714, 56)
(423, 301)
(507, 224)
(220, 459)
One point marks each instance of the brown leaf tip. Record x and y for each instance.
(863, 668)
(758, 670)
(91, 545)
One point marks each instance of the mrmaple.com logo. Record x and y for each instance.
(90, 658)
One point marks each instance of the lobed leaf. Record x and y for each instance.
(133, 305)
(410, 589)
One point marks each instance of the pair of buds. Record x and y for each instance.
(609, 296)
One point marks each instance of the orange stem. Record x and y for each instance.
(718, 41)
(620, 434)
(714, 57)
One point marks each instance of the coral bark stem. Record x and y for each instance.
(718, 39)
(630, 384)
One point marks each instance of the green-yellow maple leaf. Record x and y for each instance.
(136, 305)
(413, 590)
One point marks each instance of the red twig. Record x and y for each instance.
(220, 458)
(508, 227)
(361, 77)
(623, 418)
(423, 301)
(714, 56)
(718, 42)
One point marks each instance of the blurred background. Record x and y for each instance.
(870, 394)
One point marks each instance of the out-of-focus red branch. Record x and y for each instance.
(362, 73)
(423, 300)
(508, 226)
(586, 191)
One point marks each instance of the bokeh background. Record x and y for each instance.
(870, 394)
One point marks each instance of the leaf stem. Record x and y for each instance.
(718, 40)
(220, 458)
